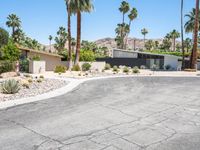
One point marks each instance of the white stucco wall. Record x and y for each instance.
(36, 67)
(172, 61)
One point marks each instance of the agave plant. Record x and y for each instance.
(10, 87)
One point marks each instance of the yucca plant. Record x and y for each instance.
(10, 87)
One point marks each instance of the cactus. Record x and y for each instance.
(10, 87)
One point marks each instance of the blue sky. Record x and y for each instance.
(41, 18)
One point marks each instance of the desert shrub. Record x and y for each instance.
(136, 70)
(30, 80)
(107, 67)
(126, 69)
(36, 58)
(27, 75)
(154, 67)
(41, 77)
(4, 36)
(60, 69)
(168, 67)
(10, 87)
(39, 80)
(6, 66)
(86, 67)
(10, 52)
(115, 69)
(87, 55)
(76, 68)
(142, 67)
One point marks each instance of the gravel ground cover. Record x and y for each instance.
(34, 89)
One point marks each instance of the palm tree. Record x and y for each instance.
(193, 60)
(144, 32)
(133, 15)
(67, 2)
(124, 8)
(50, 39)
(77, 7)
(174, 35)
(189, 25)
(182, 37)
(188, 43)
(15, 23)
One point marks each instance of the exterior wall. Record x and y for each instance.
(51, 61)
(172, 61)
(36, 67)
(124, 54)
(94, 65)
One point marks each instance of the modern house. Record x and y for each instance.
(51, 59)
(137, 58)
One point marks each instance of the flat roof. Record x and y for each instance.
(148, 53)
(40, 52)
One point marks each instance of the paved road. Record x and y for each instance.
(142, 113)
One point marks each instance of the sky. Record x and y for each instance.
(41, 18)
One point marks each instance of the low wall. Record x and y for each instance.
(94, 65)
(36, 67)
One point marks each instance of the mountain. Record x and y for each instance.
(110, 43)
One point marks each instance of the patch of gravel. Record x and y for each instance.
(35, 89)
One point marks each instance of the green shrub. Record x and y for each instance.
(41, 77)
(107, 67)
(76, 68)
(126, 69)
(30, 80)
(6, 66)
(136, 70)
(10, 52)
(142, 67)
(60, 69)
(36, 58)
(24, 65)
(115, 69)
(87, 55)
(86, 67)
(39, 80)
(4, 36)
(10, 87)
(168, 67)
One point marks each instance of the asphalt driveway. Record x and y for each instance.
(136, 113)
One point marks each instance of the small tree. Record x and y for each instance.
(4, 36)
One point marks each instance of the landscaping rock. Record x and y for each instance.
(8, 75)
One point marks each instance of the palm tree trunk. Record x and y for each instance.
(195, 44)
(69, 39)
(78, 43)
(50, 45)
(126, 42)
(144, 42)
(174, 48)
(182, 37)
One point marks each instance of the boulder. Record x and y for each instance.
(8, 75)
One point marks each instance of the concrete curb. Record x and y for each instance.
(73, 83)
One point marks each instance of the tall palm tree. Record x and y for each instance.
(182, 37)
(144, 32)
(174, 35)
(124, 8)
(77, 7)
(15, 23)
(133, 15)
(193, 60)
(50, 39)
(189, 25)
(68, 6)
